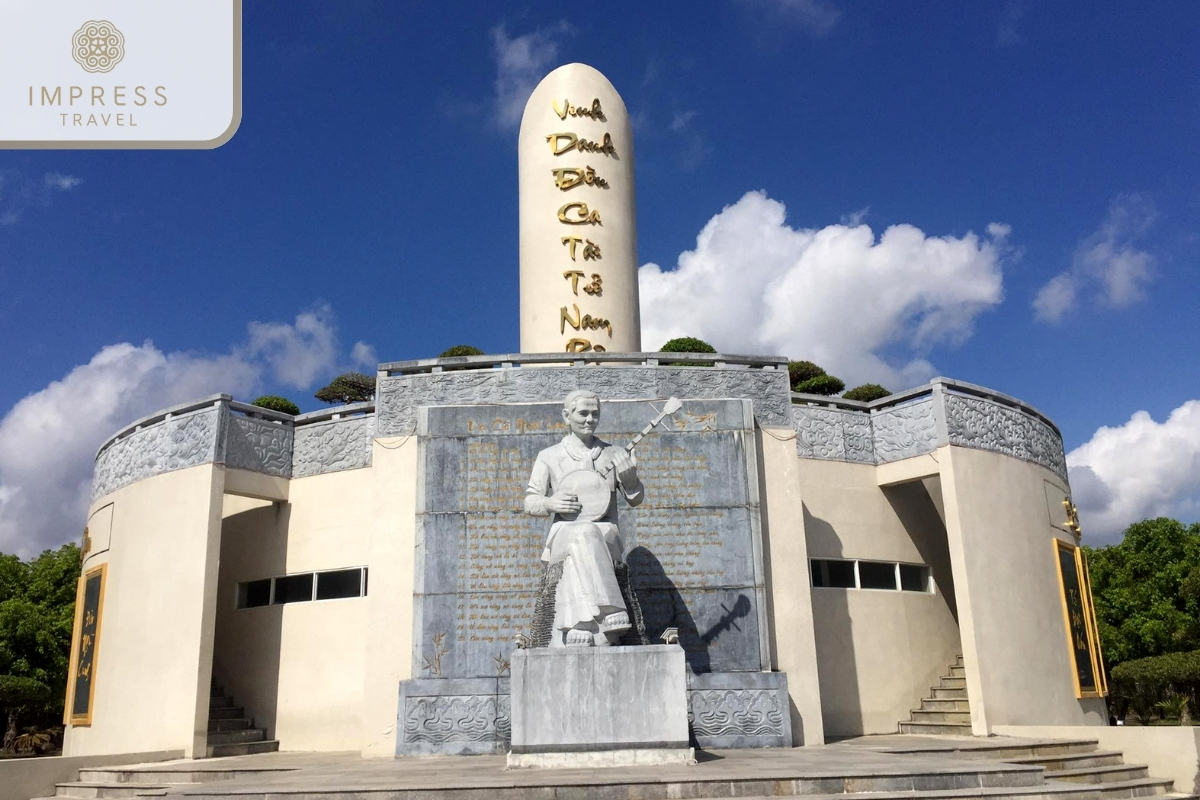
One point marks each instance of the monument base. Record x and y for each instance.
(599, 706)
(604, 758)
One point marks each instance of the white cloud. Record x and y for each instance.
(1106, 262)
(681, 120)
(521, 62)
(300, 353)
(838, 296)
(814, 16)
(364, 355)
(19, 192)
(48, 440)
(1137, 470)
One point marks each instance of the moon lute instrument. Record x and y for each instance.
(590, 487)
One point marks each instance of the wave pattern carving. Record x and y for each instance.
(735, 712)
(456, 718)
(333, 446)
(985, 425)
(175, 443)
(258, 446)
(904, 431)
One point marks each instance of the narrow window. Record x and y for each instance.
(293, 589)
(252, 594)
(830, 574)
(877, 575)
(340, 583)
(914, 578)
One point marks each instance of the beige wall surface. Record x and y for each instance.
(1170, 752)
(878, 651)
(298, 668)
(785, 560)
(154, 654)
(1019, 669)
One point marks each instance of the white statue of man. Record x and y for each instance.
(588, 606)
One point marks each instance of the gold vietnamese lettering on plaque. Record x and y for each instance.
(572, 142)
(592, 112)
(591, 251)
(1079, 615)
(566, 178)
(89, 609)
(580, 210)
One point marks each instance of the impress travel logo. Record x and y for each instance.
(168, 77)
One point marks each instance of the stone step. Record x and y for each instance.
(958, 660)
(242, 748)
(229, 712)
(1064, 791)
(192, 772)
(952, 683)
(1113, 773)
(94, 789)
(1002, 751)
(930, 704)
(220, 702)
(936, 728)
(237, 737)
(958, 671)
(956, 717)
(1097, 758)
(944, 693)
(230, 724)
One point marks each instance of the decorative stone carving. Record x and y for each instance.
(439, 720)
(333, 446)
(988, 425)
(832, 434)
(904, 431)
(258, 445)
(398, 396)
(734, 712)
(175, 443)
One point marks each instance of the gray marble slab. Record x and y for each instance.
(739, 709)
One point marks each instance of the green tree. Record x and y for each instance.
(350, 387)
(687, 344)
(807, 377)
(801, 371)
(274, 402)
(1147, 590)
(37, 609)
(461, 350)
(867, 392)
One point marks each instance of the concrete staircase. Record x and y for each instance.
(231, 732)
(1074, 770)
(947, 711)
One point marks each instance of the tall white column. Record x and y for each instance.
(579, 289)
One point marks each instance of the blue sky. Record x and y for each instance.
(1043, 154)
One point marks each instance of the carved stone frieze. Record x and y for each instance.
(174, 443)
(333, 446)
(258, 445)
(833, 434)
(443, 719)
(904, 431)
(735, 712)
(398, 397)
(988, 425)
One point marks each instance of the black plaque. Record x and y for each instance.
(1076, 610)
(87, 639)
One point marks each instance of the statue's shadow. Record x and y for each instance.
(663, 606)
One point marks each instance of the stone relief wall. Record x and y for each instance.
(398, 397)
(987, 425)
(175, 443)
(891, 433)
(333, 446)
(258, 445)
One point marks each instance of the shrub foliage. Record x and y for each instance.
(687, 344)
(461, 350)
(274, 402)
(867, 392)
(350, 387)
(821, 384)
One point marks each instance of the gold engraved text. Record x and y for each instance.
(579, 210)
(583, 346)
(591, 250)
(591, 112)
(584, 322)
(572, 142)
(569, 177)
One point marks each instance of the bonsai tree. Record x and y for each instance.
(461, 350)
(350, 387)
(867, 392)
(274, 402)
(807, 377)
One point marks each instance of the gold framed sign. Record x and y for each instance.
(89, 608)
(1079, 614)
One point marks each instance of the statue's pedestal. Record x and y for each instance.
(599, 706)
